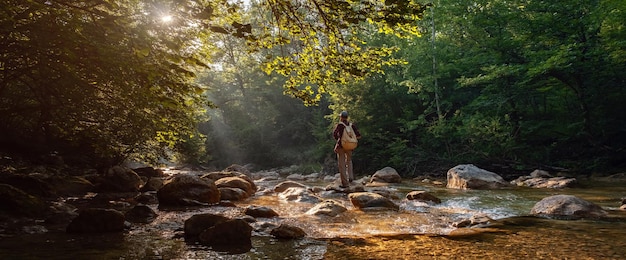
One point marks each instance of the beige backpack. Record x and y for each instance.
(348, 138)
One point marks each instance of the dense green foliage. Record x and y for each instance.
(520, 83)
(94, 80)
(99, 81)
(322, 44)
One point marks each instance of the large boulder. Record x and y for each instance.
(567, 206)
(237, 182)
(386, 175)
(188, 189)
(468, 176)
(196, 224)
(97, 221)
(369, 200)
(120, 179)
(329, 208)
(230, 235)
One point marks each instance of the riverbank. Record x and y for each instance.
(415, 229)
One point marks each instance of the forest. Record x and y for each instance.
(515, 84)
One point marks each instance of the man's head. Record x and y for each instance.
(343, 114)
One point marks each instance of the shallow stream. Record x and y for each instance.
(416, 231)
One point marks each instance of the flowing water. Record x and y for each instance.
(416, 231)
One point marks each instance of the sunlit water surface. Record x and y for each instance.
(416, 231)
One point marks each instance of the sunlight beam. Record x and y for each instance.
(167, 18)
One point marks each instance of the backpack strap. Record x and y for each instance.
(346, 126)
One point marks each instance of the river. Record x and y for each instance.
(416, 231)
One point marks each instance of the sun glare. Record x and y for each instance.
(166, 18)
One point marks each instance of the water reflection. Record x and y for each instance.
(520, 238)
(417, 231)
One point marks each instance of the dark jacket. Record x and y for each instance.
(338, 132)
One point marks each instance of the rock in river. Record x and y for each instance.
(567, 206)
(187, 189)
(468, 176)
(364, 200)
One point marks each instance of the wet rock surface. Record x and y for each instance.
(567, 206)
(334, 212)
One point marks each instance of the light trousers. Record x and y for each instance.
(344, 160)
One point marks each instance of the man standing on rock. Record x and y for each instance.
(344, 155)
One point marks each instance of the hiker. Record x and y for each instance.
(346, 135)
